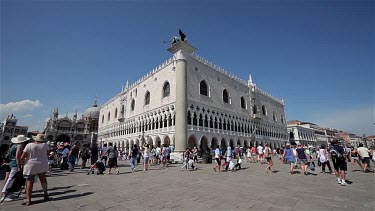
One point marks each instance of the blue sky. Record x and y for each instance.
(316, 55)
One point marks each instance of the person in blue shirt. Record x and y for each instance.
(289, 156)
(217, 158)
(303, 157)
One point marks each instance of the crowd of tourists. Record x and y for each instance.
(293, 155)
(34, 159)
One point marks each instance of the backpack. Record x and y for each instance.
(334, 153)
(85, 154)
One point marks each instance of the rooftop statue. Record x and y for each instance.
(175, 39)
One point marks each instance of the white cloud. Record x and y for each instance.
(19, 107)
(27, 116)
(356, 120)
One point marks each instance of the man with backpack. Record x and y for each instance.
(85, 155)
(338, 157)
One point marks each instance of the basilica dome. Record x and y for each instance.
(92, 112)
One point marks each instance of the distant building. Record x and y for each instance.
(307, 133)
(10, 129)
(188, 101)
(370, 140)
(33, 133)
(64, 129)
(350, 138)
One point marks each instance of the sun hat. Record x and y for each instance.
(19, 139)
(39, 138)
(287, 144)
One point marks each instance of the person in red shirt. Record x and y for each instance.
(253, 154)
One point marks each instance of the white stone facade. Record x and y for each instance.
(249, 117)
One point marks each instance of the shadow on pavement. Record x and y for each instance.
(55, 188)
(63, 197)
(55, 193)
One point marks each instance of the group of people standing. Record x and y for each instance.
(28, 158)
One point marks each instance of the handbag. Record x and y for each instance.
(312, 166)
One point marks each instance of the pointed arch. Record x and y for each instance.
(192, 142)
(225, 96)
(243, 103)
(166, 89)
(147, 97)
(203, 88)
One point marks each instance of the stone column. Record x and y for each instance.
(181, 52)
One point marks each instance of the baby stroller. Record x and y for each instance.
(18, 184)
(98, 168)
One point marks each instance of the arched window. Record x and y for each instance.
(255, 109)
(147, 98)
(282, 119)
(203, 89)
(122, 111)
(274, 116)
(243, 103)
(225, 96)
(116, 113)
(264, 111)
(132, 105)
(102, 118)
(166, 89)
(109, 116)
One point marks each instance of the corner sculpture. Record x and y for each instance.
(175, 39)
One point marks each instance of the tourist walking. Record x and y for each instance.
(133, 157)
(85, 155)
(338, 158)
(260, 154)
(354, 157)
(365, 157)
(217, 158)
(303, 157)
(323, 158)
(35, 163)
(290, 157)
(65, 154)
(112, 158)
(15, 153)
(186, 157)
(195, 154)
(248, 154)
(104, 158)
(94, 152)
(228, 155)
(267, 155)
(153, 154)
(73, 154)
(158, 152)
(146, 156)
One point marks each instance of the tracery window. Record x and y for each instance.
(166, 89)
(243, 103)
(225, 96)
(264, 111)
(203, 89)
(132, 105)
(147, 98)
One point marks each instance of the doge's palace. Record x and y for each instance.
(188, 101)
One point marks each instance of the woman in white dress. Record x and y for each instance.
(35, 163)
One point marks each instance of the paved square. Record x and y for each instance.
(203, 189)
